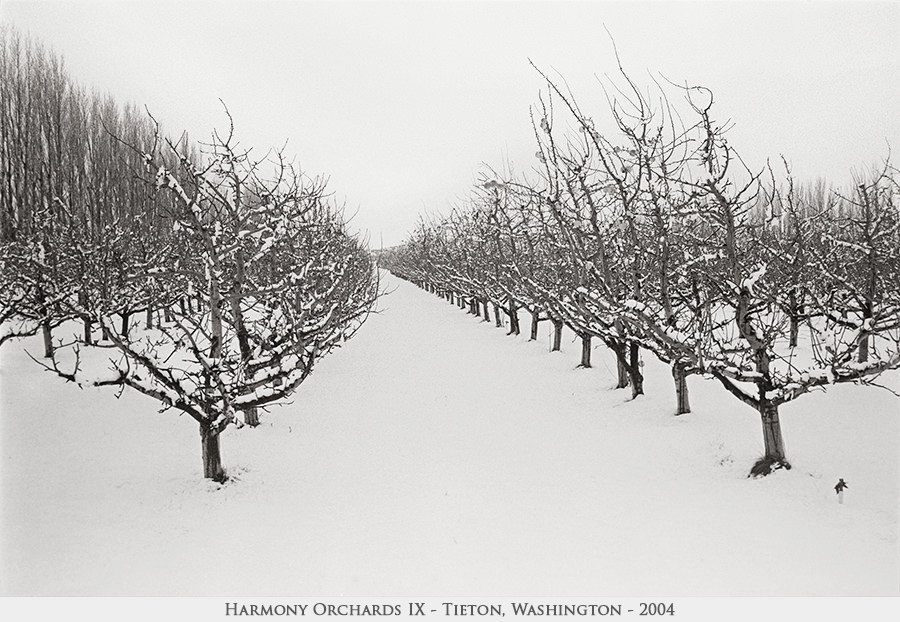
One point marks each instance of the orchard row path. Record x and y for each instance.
(434, 454)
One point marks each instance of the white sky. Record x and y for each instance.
(400, 102)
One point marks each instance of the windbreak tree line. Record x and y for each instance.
(67, 191)
(653, 235)
(198, 274)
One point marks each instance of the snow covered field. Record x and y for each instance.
(434, 455)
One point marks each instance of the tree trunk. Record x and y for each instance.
(773, 442)
(795, 323)
(212, 460)
(772, 438)
(88, 337)
(634, 371)
(498, 321)
(513, 317)
(621, 369)
(45, 325)
(148, 319)
(48, 339)
(215, 314)
(585, 350)
(167, 314)
(795, 332)
(251, 417)
(863, 347)
(682, 401)
(557, 335)
(125, 321)
(535, 318)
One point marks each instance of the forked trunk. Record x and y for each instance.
(212, 460)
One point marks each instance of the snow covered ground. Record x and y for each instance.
(434, 455)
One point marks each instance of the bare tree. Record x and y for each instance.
(281, 282)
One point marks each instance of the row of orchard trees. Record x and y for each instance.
(202, 276)
(65, 183)
(655, 236)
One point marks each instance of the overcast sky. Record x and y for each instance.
(400, 102)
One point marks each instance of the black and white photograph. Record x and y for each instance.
(429, 309)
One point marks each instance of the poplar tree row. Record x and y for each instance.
(203, 276)
(70, 204)
(647, 231)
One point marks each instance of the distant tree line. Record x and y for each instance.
(198, 274)
(654, 236)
